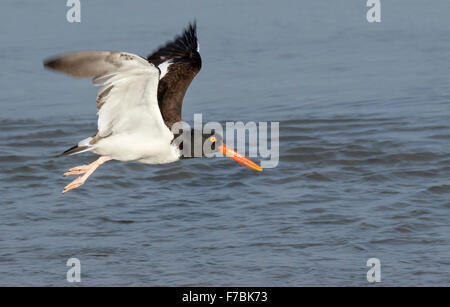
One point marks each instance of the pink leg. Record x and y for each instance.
(87, 170)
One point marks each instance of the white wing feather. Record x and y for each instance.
(128, 99)
(130, 123)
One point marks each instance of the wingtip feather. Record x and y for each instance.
(182, 47)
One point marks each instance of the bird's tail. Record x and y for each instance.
(81, 147)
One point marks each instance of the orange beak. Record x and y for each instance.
(238, 157)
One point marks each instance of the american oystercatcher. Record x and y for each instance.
(138, 103)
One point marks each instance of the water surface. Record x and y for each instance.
(364, 148)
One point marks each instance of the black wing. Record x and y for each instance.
(184, 48)
(179, 61)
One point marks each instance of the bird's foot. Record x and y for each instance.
(74, 184)
(87, 170)
(78, 170)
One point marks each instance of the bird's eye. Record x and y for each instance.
(212, 139)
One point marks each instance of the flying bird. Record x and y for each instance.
(139, 101)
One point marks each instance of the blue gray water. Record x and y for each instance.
(364, 148)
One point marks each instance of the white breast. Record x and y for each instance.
(138, 146)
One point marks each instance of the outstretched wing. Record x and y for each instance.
(179, 62)
(127, 99)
